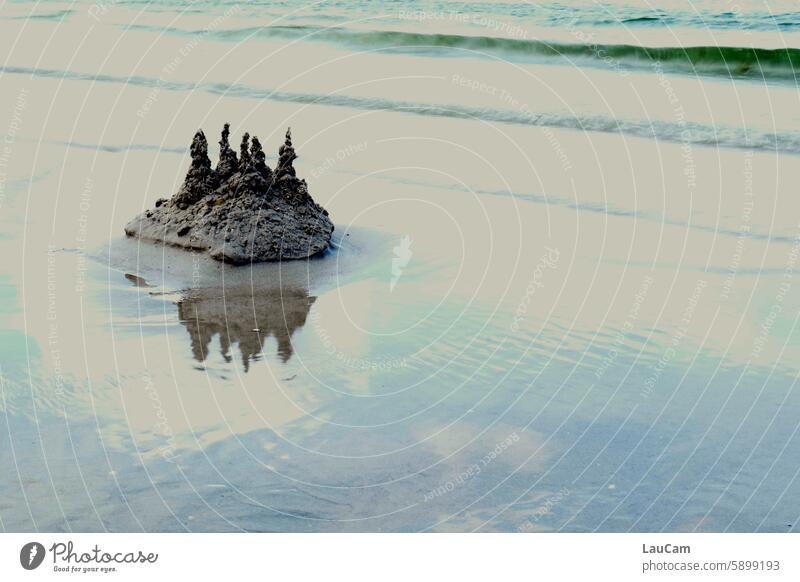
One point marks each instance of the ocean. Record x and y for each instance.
(562, 295)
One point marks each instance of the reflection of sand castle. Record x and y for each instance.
(243, 317)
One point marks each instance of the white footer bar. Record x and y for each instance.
(400, 557)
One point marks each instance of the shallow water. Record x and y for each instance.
(562, 294)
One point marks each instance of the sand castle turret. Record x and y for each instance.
(244, 153)
(286, 157)
(228, 163)
(200, 179)
(259, 159)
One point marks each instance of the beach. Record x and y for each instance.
(562, 293)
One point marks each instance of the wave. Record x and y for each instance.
(637, 19)
(54, 15)
(683, 133)
(725, 15)
(708, 60)
(728, 61)
(118, 149)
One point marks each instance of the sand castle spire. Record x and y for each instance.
(224, 144)
(286, 156)
(200, 179)
(259, 158)
(228, 162)
(199, 151)
(244, 153)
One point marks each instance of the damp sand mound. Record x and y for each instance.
(242, 211)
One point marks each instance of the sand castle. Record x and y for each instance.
(242, 211)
